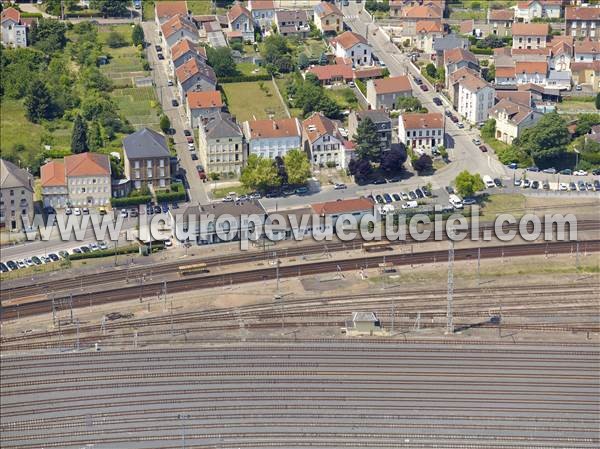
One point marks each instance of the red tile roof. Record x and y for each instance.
(332, 71)
(431, 120)
(466, 26)
(183, 46)
(164, 10)
(473, 82)
(523, 98)
(287, 127)
(502, 14)
(530, 29)
(392, 84)
(177, 23)
(459, 54)
(53, 174)
(505, 72)
(236, 11)
(368, 72)
(317, 125)
(531, 67)
(260, 5)
(582, 13)
(206, 99)
(343, 206)
(191, 68)
(325, 9)
(423, 12)
(11, 13)
(348, 39)
(587, 46)
(87, 164)
(429, 26)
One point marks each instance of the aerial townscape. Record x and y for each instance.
(300, 224)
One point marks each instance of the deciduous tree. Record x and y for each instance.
(297, 167)
(423, 164)
(260, 174)
(467, 184)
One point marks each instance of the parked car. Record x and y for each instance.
(412, 195)
(396, 197)
(53, 257)
(124, 213)
(160, 56)
(596, 185)
(85, 249)
(426, 191)
(581, 186)
(395, 179)
(3, 268)
(379, 181)
(301, 191)
(418, 80)
(596, 172)
(449, 189)
(174, 102)
(85, 211)
(419, 193)
(170, 82)
(566, 171)
(194, 156)
(102, 245)
(157, 210)
(158, 48)
(379, 199)
(339, 186)
(36, 260)
(437, 101)
(580, 173)
(535, 184)
(77, 211)
(460, 125)
(469, 201)
(448, 112)
(387, 198)
(533, 169)
(424, 87)
(68, 211)
(550, 170)
(572, 186)
(483, 148)
(12, 265)
(526, 183)
(546, 185)
(498, 182)
(563, 187)
(94, 247)
(21, 264)
(76, 251)
(477, 141)
(63, 254)
(517, 182)
(187, 133)
(454, 119)
(404, 196)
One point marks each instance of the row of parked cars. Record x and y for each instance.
(12, 265)
(581, 185)
(411, 196)
(553, 171)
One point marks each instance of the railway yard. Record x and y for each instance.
(254, 350)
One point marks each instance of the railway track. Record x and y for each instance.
(155, 288)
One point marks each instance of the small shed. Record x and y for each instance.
(364, 323)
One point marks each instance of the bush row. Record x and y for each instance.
(130, 249)
(168, 197)
(130, 200)
(481, 51)
(244, 78)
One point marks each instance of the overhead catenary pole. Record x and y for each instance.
(449, 316)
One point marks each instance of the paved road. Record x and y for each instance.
(161, 75)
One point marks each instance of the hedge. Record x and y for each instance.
(130, 200)
(244, 78)
(57, 153)
(105, 252)
(168, 197)
(481, 51)
(29, 15)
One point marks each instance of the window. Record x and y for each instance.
(162, 163)
(149, 164)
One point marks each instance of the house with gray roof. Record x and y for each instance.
(16, 195)
(147, 159)
(221, 144)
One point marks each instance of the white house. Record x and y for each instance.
(512, 118)
(240, 20)
(427, 32)
(506, 76)
(322, 140)
(163, 11)
(383, 93)
(353, 47)
(531, 72)
(271, 138)
(178, 28)
(587, 51)
(475, 98)
(14, 30)
(526, 11)
(328, 18)
(263, 12)
(425, 131)
(202, 104)
(530, 35)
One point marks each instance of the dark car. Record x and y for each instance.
(483, 148)
(158, 48)
(194, 157)
(53, 257)
(200, 168)
(448, 112)
(387, 197)
(301, 191)
(596, 172)
(157, 210)
(379, 181)
(379, 199)
(412, 195)
(424, 87)
(572, 186)
(426, 191)
(449, 189)
(535, 184)
(546, 185)
(161, 56)
(174, 102)
(596, 185)
(3, 268)
(566, 171)
(395, 179)
(419, 193)
(454, 119)
(12, 265)
(469, 201)
(85, 249)
(165, 208)
(550, 170)
(419, 81)
(533, 169)
(437, 101)
(396, 197)
(77, 251)
(36, 260)
(149, 210)
(187, 133)
(498, 182)
(512, 165)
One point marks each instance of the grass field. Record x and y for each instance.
(513, 203)
(139, 105)
(247, 101)
(576, 107)
(344, 97)
(224, 191)
(15, 129)
(314, 47)
(247, 68)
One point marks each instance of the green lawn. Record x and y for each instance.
(575, 107)
(124, 30)
(224, 191)
(494, 205)
(17, 130)
(314, 47)
(125, 65)
(200, 7)
(138, 104)
(247, 101)
(247, 68)
(344, 97)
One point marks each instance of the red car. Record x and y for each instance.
(424, 87)
(454, 118)
(483, 148)
(190, 139)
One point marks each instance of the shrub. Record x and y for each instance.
(130, 200)
(129, 249)
(243, 78)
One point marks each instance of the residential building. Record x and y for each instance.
(271, 138)
(530, 35)
(14, 29)
(500, 21)
(382, 122)
(177, 28)
(328, 18)
(183, 51)
(511, 119)
(526, 11)
(424, 131)
(79, 180)
(428, 11)
(562, 48)
(263, 12)
(221, 144)
(16, 196)
(352, 46)
(454, 83)
(587, 50)
(240, 20)
(458, 58)
(383, 93)
(531, 72)
(163, 11)
(426, 33)
(193, 76)
(475, 98)
(582, 22)
(333, 73)
(397, 7)
(506, 76)
(146, 159)
(560, 80)
(214, 34)
(202, 104)
(448, 42)
(292, 23)
(587, 73)
(322, 141)
(357, 207)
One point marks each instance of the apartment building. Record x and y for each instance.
(424, 131)
(146, 159)
(272, 138)
(221, 144)
(16, 196)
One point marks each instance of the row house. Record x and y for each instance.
(322, 141)
(14, 29)
(221, 144)
(383, 93)
(202, 104)
(292, 23)
(448, 42)
(354, 47)
(530, 35)
(458, 58)
(263, 13)
(475, 98)
(583, 22)
(333, 73)
(397, 7)
(426, 33)
(531, 72)
(512, 118)
(586, 50)
(526, 11)
(79, 180)
(183, 51)
(146, 159)
(271, 138)
(214, 35)
(424, 131)
(587, 73)
(178, 28)
(380, 118)
(16, 196)
(500, 21)
(328, 18)
(194, 76)
(453, 83)
(163, 11)
(240, 21)
(419, 13)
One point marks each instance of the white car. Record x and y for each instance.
(77, 211)
(168, 243)
(94, 247)
(563, 187)
(102, 245)
(228, 199)
(21, 264)
(170, 82)
(410, 205)
(580, 173)
(404, 196)
(124, 213)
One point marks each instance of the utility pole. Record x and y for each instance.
(449, 317)
(577, 255)
(77, 334)
(478, 266)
